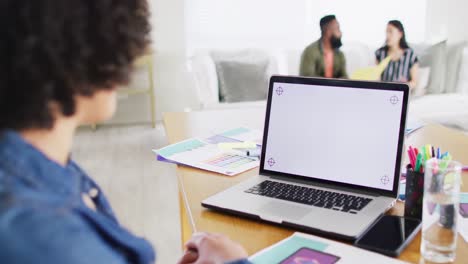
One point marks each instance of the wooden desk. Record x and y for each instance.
(196, 185)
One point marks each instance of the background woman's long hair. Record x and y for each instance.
(399, 26)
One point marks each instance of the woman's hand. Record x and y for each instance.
(412, 84)
(211, 248)
(403, 80)
(414, 74)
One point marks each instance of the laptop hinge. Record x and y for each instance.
(323, 185)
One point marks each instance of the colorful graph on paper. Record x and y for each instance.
(207, 155)
(229, 161)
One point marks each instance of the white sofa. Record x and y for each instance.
(450, 109)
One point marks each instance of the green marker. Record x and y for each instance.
(418, 162)
(423, 151)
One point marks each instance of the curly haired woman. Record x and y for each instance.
(60, 64)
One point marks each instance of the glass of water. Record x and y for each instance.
(440, 210)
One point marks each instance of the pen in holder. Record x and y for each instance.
(414, 193)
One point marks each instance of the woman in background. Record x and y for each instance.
(60, 64)
(403, 66)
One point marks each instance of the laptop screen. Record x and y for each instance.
(340, 134)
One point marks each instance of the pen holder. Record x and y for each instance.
(414, 193)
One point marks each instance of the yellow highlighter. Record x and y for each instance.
(428, 152)
(237, 145)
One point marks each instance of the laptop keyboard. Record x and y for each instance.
(306, 195)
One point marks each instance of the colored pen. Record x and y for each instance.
(443, 155)
(418, 163)
(465, 168)
(444, 162)
(411, 157)
(253, 152)
(433, 152)
(428, 152)
(449, 157)
(438, 153)
(237, 145)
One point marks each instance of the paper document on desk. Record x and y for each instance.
(303, 248)
(463, 216)
(244, 134)
(413, 124)
(463, 227)
(205, 153)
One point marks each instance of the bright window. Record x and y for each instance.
(290, 24)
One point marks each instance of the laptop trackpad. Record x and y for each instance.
(282, 210)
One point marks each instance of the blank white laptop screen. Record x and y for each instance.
(347, 135)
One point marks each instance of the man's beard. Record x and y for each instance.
(335, 42)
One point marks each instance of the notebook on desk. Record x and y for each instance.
(331, 156)
(302, 248)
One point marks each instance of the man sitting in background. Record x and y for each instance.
(323, 57)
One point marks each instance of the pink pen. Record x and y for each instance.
(412, 157)
(415, 156)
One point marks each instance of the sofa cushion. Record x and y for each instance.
(243, 75)
(357, 56)
(203, 69)
(433, 56)
(423, 82)
(293, 59)
(454, 59)
(462, 80)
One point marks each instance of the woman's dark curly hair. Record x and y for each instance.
(53, 50)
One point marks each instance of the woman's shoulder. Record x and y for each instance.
(410, 51)
(411, 54)
(17, 192)
(26, 229)
(381, 50)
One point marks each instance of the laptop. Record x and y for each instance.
(331, 157)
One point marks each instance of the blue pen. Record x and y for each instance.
(438, 153)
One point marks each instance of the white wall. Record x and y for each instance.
(447, 19)
(173, 91)
(237, 24)
(181, 26)
(365, 20)
(172, 82)
(281, 24)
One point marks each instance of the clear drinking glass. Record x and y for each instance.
(440, 210)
